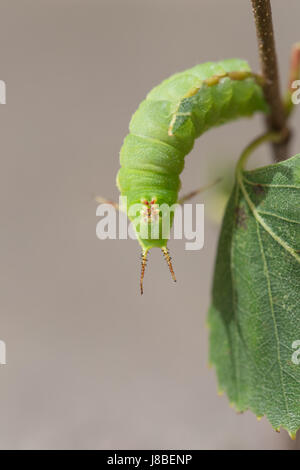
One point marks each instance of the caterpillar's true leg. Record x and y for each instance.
(190, 195)
(103, 200)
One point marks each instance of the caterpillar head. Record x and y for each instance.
(151, 223)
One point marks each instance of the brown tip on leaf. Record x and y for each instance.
(144, 263)
(168, 260)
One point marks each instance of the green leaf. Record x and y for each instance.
(255, 313)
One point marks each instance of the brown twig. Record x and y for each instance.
(277, 118)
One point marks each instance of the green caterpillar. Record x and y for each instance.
(163, 131)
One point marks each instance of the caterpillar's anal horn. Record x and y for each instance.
(144, 263)
(169, 262)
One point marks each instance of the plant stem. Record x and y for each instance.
(273, 137)
(276, 121)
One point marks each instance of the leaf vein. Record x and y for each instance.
(273, 314)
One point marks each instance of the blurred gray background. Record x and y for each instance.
(91, 363)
